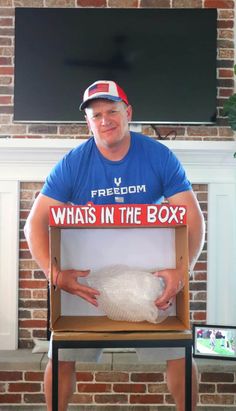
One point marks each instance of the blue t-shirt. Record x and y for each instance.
(148, 172)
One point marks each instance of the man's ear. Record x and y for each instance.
(129, 111)
(87, 121)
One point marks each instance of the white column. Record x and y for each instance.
(9, 229)
(221, 281)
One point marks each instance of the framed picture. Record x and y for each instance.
(214, 341)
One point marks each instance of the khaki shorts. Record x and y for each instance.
(147, 355)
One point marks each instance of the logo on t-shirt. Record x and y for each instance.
(118, 190)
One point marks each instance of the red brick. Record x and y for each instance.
(208, 388)
(32, 323)
(24, 214)
(147, 377)
(225, 24)
(6, 70)
(154, 3)
(200, 266)
(25, 254)
(111, 399)
(112, 376)
(6, 22)
(199, 316)
(5, 99)
(94, 387)
(123, 3)
(147, 399)
(10, 376)
(226, 388)
(200, 276)
(34, 398)
(84, 376)
(129, 388)
(40, 334)
(25, 274)
(24, 387)
(81, 399)
(10, 398)
(34, 376)
(219, 4)
(225, 92)
(32, 284)
(91, 3)
(226, 73)
(5, 61)
(217, 377)
(187, 3)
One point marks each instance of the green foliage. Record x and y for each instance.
(230, 108)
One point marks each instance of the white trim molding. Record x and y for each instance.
(9, 255)
(211, 163)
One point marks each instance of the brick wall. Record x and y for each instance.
(118, 387)
(225, 61)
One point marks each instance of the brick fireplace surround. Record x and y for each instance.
(27, 153)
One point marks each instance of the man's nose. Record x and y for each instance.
(105, 120)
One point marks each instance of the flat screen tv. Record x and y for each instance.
(214, 341)
(165, 59)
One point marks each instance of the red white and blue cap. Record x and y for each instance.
(108, 90)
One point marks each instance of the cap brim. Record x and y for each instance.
(102, 96)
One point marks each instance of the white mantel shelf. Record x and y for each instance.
(20, 159)
(206, 162)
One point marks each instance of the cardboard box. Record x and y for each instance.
(140, 235)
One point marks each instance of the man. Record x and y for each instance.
(96, 171)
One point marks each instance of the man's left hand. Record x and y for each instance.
(174, 282)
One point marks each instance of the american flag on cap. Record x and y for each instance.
(103, 89)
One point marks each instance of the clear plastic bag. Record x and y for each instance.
(128, 294)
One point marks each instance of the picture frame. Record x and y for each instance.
(214, 341)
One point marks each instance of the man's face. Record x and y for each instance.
(108, 121)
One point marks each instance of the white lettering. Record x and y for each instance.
(106, 192)
(151, 214)
(59, 215)
(141, 188)
(130, 215)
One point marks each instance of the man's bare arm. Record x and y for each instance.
(37, 236)
(196, 224)
(174, 278)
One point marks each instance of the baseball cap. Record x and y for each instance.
(103, 89)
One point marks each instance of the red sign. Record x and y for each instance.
(128, 215)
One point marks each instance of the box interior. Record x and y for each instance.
(149, 248)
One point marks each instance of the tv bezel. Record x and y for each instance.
(135, 122)
(196, 354)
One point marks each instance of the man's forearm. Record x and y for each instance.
(38, 242)
(196, 238)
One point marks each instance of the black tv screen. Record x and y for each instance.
(165, 59)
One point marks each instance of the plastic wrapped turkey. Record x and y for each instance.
(128, 294)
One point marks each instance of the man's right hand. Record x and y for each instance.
(67, 280)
